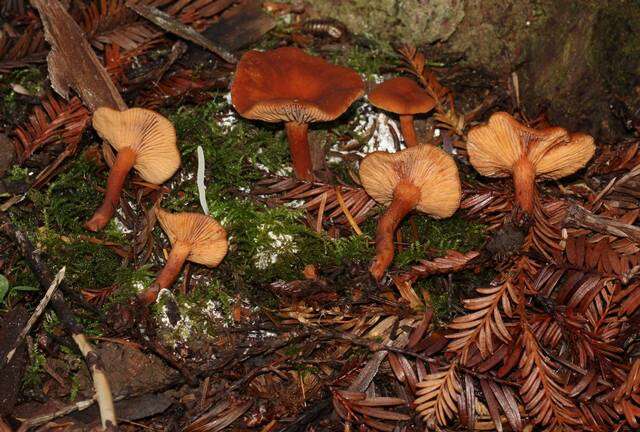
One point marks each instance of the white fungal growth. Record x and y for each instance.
(267, 254)
(284, 171)
(295, 204)
(120, 226)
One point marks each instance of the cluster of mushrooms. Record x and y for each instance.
(287, 85)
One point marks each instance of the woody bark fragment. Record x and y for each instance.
(72, 63)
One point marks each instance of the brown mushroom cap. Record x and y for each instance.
(401, 96)
(149, 134)
(205, 236)
(495, 147)
(286, 84)
(432, 170)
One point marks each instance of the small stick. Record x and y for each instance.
(323, 203)
(346, 212)
(64, 313)
(34, 317)
(582, 218)
(170, 24)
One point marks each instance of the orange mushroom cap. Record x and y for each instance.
(495, 148)
(401, 96)
(149, 134)
(286, 84)
(429, 168)
(205, 237)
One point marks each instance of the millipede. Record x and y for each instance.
(325, 27)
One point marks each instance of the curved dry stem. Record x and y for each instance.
(408, 130)
(100, 382)
(125, 160)
(405, 198)
(299, 147)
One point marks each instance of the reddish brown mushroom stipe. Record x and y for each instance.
(424, 178)
(408, 130)
(118, 174)
(504, 147)
(524, 182)
(299, 148)
(194, 237)
(403, 96)
(405, 198)
(145, 141)
(287, 85)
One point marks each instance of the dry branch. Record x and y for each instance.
(64, 313)
(34, 317)
(580, 217)
(172, 25)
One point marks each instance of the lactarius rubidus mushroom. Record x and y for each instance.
(504, 147)
(423, 178)
(403, 96)
(144, 140)
(287, 85)
(194, 237)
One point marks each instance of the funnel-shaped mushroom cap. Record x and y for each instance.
(494, 148)
(430, 169)
(205, 236)
(401, 96)
(149, 134)
(286, 84)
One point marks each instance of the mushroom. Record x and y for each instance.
(194, 237)
(423, 178)
(288, 85)
(506, 147)
(146, 141)
(403, 96)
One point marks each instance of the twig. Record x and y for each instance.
(580, 217)
(66, 410)
(170, 24)
(100, 381)
(64, 313)
(346, 211)
(34, 317)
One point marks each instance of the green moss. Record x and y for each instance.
(18, 174)
(368, 61)
(32, 378)
(617, 44)
(11, 110)
(70, 198)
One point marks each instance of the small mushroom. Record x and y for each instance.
(194, 237)
(423, 178)
(144, 140)
(505, 147)
(403, 96)
(288, 85)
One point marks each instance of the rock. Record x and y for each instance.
(416, 21)
(575, 59)
(129, 371)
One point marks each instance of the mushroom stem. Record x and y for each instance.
(299, 147)
(524, 180)
(408, 130)
(121, 167)
(169, 273)
(405, 198)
